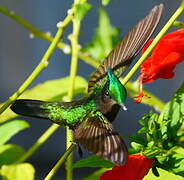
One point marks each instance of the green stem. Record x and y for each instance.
(25, 24)
(84, 56)
(43, 64)
(37, 33)
(88, 59)
(60, 45)
(179, 24)
(59, 162)
(73, 72)
(154, 43)
(39, 142)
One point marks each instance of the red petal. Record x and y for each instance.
(167, 54)
(136, 168)
(165, 70)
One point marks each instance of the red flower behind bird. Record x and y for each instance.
(136, 168)
(166, 55)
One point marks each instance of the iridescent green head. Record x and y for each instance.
(116, 90)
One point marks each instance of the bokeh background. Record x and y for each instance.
(19, 55)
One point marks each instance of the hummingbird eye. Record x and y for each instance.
(106, 93)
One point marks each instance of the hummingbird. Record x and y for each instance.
(90, 118)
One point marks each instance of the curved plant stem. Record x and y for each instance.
(59, 162)
(43, 64)
(179, 24)
(26, 24)
(84, 56)
(170, 22)
(43, 138)
(73, 72)
(37, 33)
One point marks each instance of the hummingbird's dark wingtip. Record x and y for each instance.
(26, 107)
(20, 106)
(16, 105)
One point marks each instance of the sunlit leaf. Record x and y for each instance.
(170, 122)
(173, 162)
(17, 172)
(10, 153)
(106, 36)
(93, 162)
(164, 175)
(174, 113)
(52, 90)
(9, 129)
(163, 133)
(136, 146)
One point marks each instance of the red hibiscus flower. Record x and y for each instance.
(167, 54)
(136, 168)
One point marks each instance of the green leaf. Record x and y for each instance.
(179, 164)
(10, 153)
(105, 38)
(136, 146)
(81, 10)
(163, 134)
(17, 172)
(52, 90)
(93, 162)
(105, 2)
(173, 113)
(96, 175)
(173, 162)
(138, 139)
(164, 175)
(9, 129)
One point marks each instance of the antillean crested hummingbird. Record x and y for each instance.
(91, 116)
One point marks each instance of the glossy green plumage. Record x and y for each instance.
(116, 89)
(69, 116)
(90, 118)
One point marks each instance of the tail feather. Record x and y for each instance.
(32, 108)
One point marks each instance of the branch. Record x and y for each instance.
(73, 72)
(148, 51)
(37, 33)
(43, 138)
(42, 65)
(60, 162)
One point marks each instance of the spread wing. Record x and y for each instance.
(128, 47)
(99, 138)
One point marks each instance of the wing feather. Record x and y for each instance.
(100, 138)
(128, 47)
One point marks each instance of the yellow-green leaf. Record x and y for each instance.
(93, 162)
(96, 175)
(52, 90)
(164, 175)
(9, 129)
(23, 171)
(10, 153)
